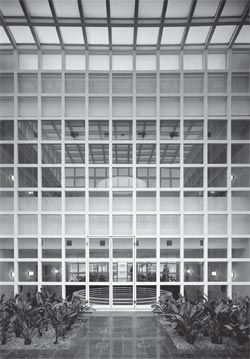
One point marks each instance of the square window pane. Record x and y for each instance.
(74, 153)
(51, 130)
(145, 130)
(217, 177)
(217, 130)
(193, 177)
(193, 201)
(51, 153)
(27, 130)
(51, 177)
(170, 130)
(193, 153)
(74, 130)
(122, 130)
(27, 177)
(170, 177)
(217, 153)
(145, 177)
(98, 177)
(146, 153)
(193, 130)
(74, 177)
(74, 201)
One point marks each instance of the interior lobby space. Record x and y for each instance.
(125, 149)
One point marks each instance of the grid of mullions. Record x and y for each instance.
(174, 154)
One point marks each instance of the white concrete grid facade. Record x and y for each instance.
(171, 130)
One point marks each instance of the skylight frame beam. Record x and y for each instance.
(244, 17)
(108, 23)
(163, 15)
(189, 21)
(7, 31)
(56, 24)
(31, 27)
(216, 23)
(82, 18)
(123, 22)
(136, 13)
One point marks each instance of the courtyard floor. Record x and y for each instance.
(130, 335)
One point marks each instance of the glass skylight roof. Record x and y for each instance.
(244, 35)
(94, 8)
(178, 8)
(3, 37)
(197, 34)
(150, 8)
(11, 8)
(47, 34)
(206, 8)
(22, 34)
(172, 35)
(72, 35)
(97, 35)
(147, 35)
(121, 8)
(222, 34)
(234, 7)
(85, 23)
(38, 8)
(122, 35)
(66, 8)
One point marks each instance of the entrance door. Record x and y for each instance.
(123, 272)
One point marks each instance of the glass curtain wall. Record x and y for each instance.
(125, 175)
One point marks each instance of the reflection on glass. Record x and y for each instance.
(51, 272)
(170, 248)
(99, 272)
(217, 247)
(170, 272)
(217, 271)
(193, 271)
(146, 272)
(122, 272)
(99, 247)
(75, 272)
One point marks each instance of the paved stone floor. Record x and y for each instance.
(120, 336)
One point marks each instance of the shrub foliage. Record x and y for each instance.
(33, 314)
(216, 318)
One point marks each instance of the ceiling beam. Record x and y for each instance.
(84, 33)
(27, 17)
(8, 32)
(135, 23)
(163, 15)
(53, 11)
(239, 27)
(123, 22)
(189, 21)
(108, 24)
(216, 22)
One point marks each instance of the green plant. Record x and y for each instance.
(61, 318)
(238, 324)
(5, 316)
(219, 310)
(31, 316)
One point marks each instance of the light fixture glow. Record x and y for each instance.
(12, 178)
(188, 271)
(214, 273)
(56, 271)
(12, 274)
(30, 273)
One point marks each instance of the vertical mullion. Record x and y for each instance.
(39, 170)
(110, 216)
(181, 175)
(205, 171)
(63, 195)
(134, 176)
(157, 174)
(87, 240)
(229, 180)
(15, 172)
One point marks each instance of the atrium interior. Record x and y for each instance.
(124, 149)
